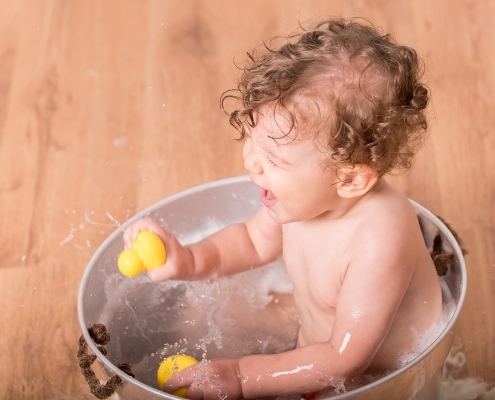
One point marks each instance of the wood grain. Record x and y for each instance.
(109, 106)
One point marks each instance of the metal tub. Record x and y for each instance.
(145, 318)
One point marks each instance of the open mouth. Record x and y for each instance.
(268, 198)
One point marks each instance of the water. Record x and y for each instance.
(250, 313)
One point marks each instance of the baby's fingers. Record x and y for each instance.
(206, 390)
(168, 271)
(179, 260)
(179, 380)
(179, 265)
(197, 388)
(131, 232)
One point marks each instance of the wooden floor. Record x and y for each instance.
(109, 106)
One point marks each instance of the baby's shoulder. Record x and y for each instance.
(389, 206)
(387, 220)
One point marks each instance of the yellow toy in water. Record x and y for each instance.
(147, 252)
(172, 365)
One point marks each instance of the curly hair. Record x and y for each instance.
(373, 103)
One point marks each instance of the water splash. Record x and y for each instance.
(81, 226)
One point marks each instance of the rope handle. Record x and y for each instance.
(441, 259)
(101, 337)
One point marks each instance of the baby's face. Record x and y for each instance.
(288, 169)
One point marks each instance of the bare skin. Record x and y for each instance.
(363, 278)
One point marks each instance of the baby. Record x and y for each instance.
(324, 117)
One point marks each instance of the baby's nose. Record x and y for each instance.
(252, 164)
(251, 160)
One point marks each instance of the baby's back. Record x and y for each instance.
(365, 282)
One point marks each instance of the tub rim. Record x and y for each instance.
(244, 179)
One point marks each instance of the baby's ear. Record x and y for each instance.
(355, 181)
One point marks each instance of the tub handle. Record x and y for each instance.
(441, 259)
(101, 337)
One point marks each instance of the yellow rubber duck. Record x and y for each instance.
(172, 365)
(147, 252)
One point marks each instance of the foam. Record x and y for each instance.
(466, 389)
(469, 388)
(424, 340)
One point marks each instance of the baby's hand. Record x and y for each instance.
(210, 381)
(180, 262)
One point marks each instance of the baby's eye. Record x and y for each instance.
(272, 163)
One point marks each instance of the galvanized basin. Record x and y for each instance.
(145, 318)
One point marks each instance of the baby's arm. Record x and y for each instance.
(233, 249)
(374, 285)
